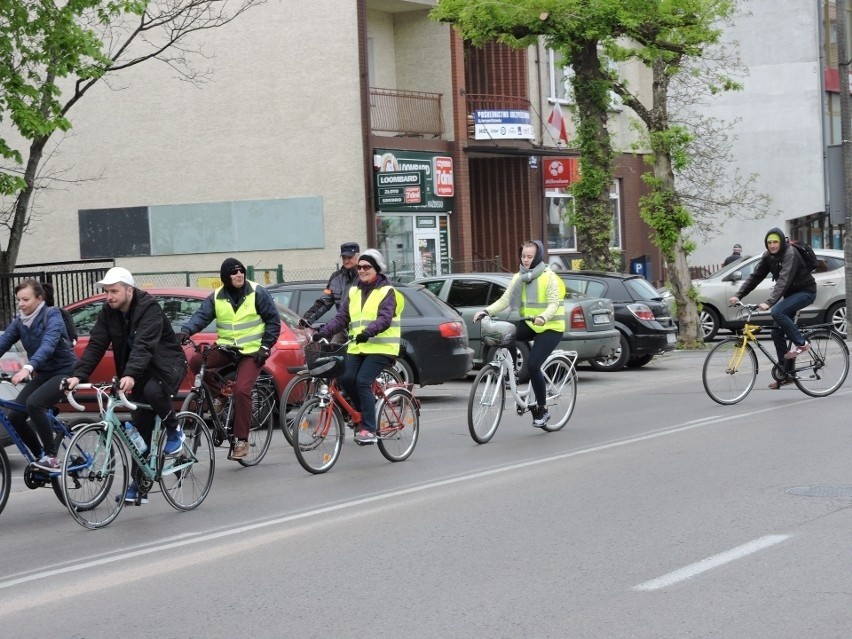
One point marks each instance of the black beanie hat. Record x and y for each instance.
(372, 260)
(228, 267)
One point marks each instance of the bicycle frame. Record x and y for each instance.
(330, 393)
(503, 359)
(749, 336)
(58, 426)
(109, 398)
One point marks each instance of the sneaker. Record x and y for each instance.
(365, 436)
(174, 440)
(133, 496)
(794, 352)
(776, 384)
(49, 463)
(540, 416)
(240, 450)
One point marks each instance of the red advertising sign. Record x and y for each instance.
(444, 185)
(412, 195)
(560, 173)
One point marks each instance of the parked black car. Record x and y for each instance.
(641, 315)
(434, 336)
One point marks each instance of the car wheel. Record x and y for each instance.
(710, 323)
(406, 372)
(836, 316)
(523, 358)
(616, 361)
(639, 362)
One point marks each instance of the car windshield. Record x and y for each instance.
(640, 289)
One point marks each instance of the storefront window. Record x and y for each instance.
(561, 234)
(395, 234)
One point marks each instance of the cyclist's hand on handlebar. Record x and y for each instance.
(303, 323)
(539, 321)
(261, 355)
(361, 338)
(317, 337)
(20, 376)
(763, 306)
(183, 337)
(479, 315)
(733, 301)
(126, 384)
(69, 383)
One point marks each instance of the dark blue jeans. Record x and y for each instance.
(357, 381)
(784, 326)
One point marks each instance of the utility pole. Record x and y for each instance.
(845, 141)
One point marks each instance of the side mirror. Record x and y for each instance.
(736, 276)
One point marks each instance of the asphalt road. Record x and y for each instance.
(654, 513)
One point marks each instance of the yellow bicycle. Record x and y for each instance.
(730, 369)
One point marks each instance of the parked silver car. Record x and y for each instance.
(589, 321)
(715, 290)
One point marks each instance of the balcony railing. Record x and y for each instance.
(409, 113)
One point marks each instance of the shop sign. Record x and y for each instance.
(412, 181)
(503, 124)
(560, 173)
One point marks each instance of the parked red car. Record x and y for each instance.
(179, 304)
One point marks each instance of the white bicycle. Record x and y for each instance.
(488, 391)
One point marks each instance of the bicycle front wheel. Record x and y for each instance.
(398, 420)
(317, 436)
(485, 403)
(186, 476)
(5, 478)
(298, 390)
(730, 371)
(561, 379)
(94, 466)
(823, 369)
(263, 397)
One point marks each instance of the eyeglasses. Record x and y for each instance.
(237, 271)
(364, 267)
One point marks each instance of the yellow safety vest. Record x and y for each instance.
(243, 328)
(385, 343)
(534, 302)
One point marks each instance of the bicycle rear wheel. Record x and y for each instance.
(5, 478)
(186, 476)
(262, 420)
(317, 436)
(561, 381)
(485, 403)
(94, 466)
(729, 371)
(823, 369)
(398, 420)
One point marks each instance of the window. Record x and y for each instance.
(561, 234)
(471, 293)
(560, 79)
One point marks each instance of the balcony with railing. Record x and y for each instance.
(405, 113)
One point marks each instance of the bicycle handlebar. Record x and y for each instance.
(69, 394)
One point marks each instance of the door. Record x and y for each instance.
(427, 258)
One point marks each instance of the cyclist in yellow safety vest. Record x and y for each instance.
(372, 311)
(248, 321)
(538, 292)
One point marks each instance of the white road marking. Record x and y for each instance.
(201, 538)
(687, 572)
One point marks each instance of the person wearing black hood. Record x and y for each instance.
(247, 320)
(795, 288)
(535, 291)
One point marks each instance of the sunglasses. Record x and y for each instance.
(237, 271)
(364, 267)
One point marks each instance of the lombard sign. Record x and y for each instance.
(503, 124)
(412, 181)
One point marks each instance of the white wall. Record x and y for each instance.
(780, 133)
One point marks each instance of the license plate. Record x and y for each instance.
(600, 319)
(671, 338)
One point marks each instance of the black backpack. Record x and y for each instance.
(70, 329)
(807, 254)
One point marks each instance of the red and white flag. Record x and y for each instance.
(556, 126)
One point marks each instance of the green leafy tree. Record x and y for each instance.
(575, 29)
(53, 53)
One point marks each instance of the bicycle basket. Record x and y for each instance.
(498, 333)
(324, 360)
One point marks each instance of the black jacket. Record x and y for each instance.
(144, 343)
(333, 295)
(788, 272)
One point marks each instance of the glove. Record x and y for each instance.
(183, 337)
(361, 338)
(303, 323)
(479, 315)
(316, 337)
(261, 356)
